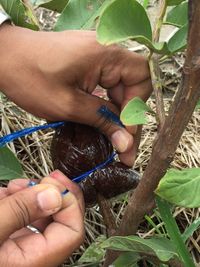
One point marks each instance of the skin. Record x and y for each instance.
(61, 229)
(53, 76)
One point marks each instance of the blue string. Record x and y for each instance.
(103, 111)
(110, 116)
(10, 137)
(100, 166)
(81, 177)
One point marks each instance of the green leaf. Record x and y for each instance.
(80, 14)
(145, 3)
(123, 20)
(134, 112)
(179, 40)
(94, 253)
(20, 13)
(55, 5)
(127, 19)
(174, 2)
(159, 246)
(10, 168)
(198, 105)
(127, 259)
(178, 16)
(174, 232)
(191, 229)
(181, 188)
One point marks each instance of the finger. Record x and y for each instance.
(130, 156)
(59, 239)
(27, 206)
(72, 187)
(90, 112)
(3, 192)
(18, 185)
(69, 226)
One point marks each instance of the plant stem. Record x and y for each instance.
(157, 86)
(159, 22)
(155, 68)
(174, 232)
(108, 217)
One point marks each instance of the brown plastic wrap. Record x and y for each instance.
(78, 148)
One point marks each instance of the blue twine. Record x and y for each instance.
(110, 116)
(10, 137)
(100, 166)
(103, 111)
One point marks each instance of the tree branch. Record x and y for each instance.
(168, 138)
(108, 217)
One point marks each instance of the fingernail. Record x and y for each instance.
(49, 200)
(56, 174)
(120, 141)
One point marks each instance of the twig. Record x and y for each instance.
(155, 68)
(168, 138)
(107, 215)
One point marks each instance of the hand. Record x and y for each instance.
(52, 75)
(58, 218)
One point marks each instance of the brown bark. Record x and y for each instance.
(168, 138)
(108, 217)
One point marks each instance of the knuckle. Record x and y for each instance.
(20, 211)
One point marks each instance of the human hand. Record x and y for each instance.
(58, 218)
(52, 75)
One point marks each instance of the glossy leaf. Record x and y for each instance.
(94, 253)
(122, 20)
(178, 16)
(127, 259)
(161, 247)
(181, 188)
(20, 13)
(80, 14)
(179, 40)
(134, 113)
(127, 19)
(10, 168)
(191, 229)
(174, 2)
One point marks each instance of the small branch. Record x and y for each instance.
(157, 86)
(159, 22)
(108, 217)
(169, 136)
(155, 68)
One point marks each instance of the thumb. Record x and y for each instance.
(27, 206)
(101, 114)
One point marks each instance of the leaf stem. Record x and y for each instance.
(174, 232)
